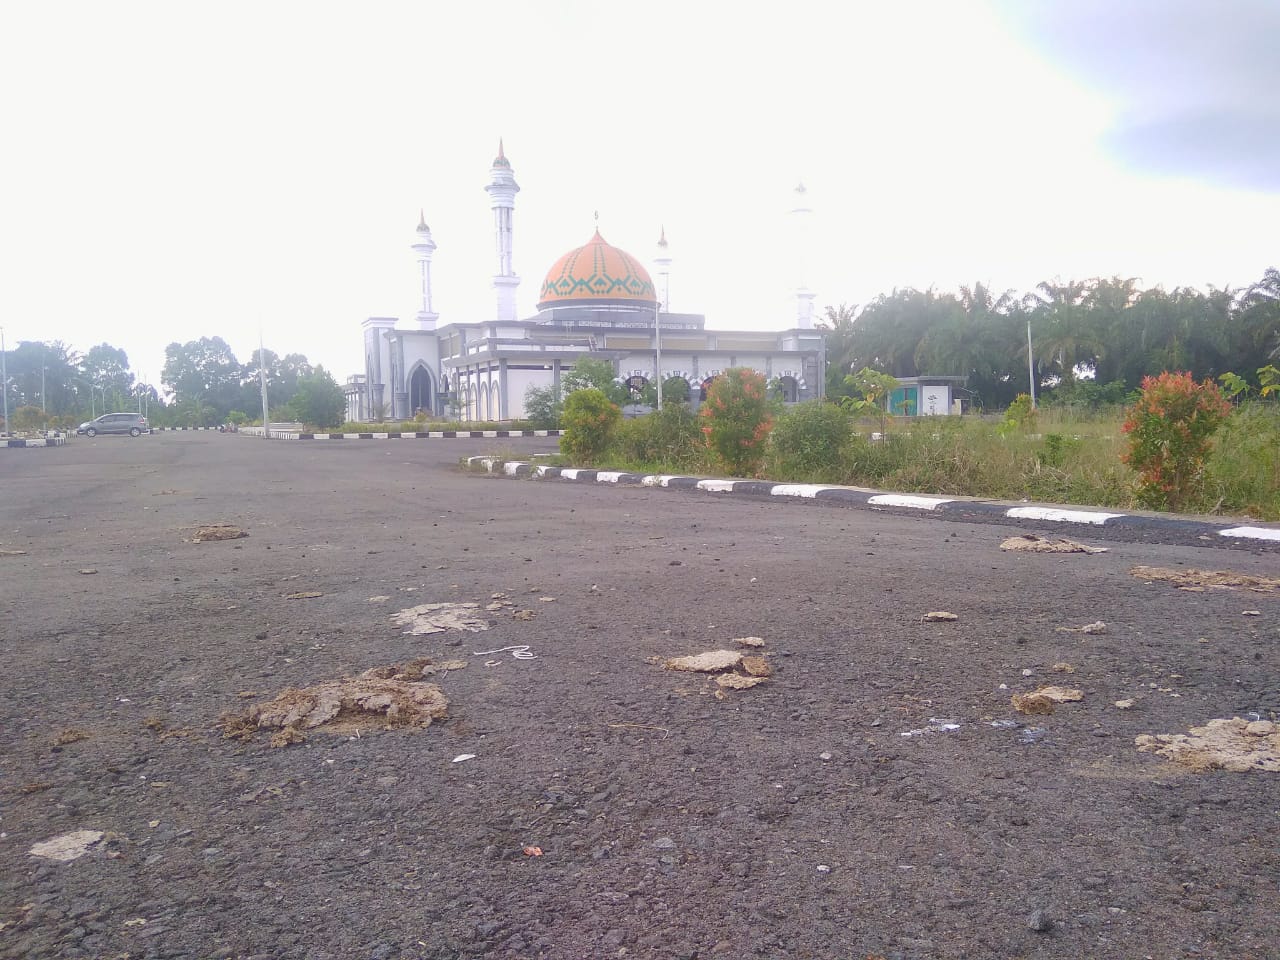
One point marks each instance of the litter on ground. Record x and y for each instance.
(1033, 543)
(1096, 627)
(1235, 745)
(936, 725)
(519, 651)
(67, 846)
(439, 617)
(352, 704)
(304, 595)
(1217, 579)
(220, 531)
(1044, 699)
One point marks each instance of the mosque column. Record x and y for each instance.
(503, 407)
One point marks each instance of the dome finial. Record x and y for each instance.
(422, 221)
(662, 240)
(501, 159)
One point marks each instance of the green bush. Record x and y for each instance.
(737, 418)
(809, 441)
(1169, 432)
(589, 421)
(543, 406)
(669, 439)
(1243, 472)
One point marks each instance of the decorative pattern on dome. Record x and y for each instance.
(597, 272)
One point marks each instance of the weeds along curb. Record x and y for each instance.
(1139, 527)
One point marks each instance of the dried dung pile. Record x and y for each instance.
(735, 670)
(220, 531)
(1219, 579)
(1235, 745)
(713, 661)
(1045, 699)
(1033, 543)
(439, 617)
(371, 701)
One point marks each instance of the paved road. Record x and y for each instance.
(673, 823)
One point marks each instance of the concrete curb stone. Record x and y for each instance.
(1142, 527)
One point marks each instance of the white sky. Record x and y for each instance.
(179, 169)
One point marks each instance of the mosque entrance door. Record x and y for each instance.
(420, 394)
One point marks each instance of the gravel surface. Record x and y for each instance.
(877, 795)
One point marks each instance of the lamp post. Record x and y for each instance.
(4, 381)
(1031, 367)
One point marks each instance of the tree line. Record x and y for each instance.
(1091, 340)
(50, 383)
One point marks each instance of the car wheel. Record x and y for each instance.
(91, 432)
(134, 431)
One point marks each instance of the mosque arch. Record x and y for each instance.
(421, 396)
(787, 387)
(676, 389)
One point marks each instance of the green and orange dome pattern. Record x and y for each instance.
(596, 273)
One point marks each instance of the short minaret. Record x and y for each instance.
(662, 264)
(423, 246)
(502, 190)
(801, 215)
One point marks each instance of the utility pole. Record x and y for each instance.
(4, 382)
(44, 355)
(1031, 367)
(262, 380)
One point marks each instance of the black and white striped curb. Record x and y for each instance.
(28, 444)
(179, 429)
(861, 497)
(403, 435)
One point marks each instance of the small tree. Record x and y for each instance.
(1169, 430)
(589, 420)
(543, 407)
(588, 372)
(319, 400)
(872, 389)
(809, 441)
(737, 418)
(27, 418)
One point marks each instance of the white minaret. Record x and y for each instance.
(662, 264)
(423, 246)
(801, 216)
(502, 190)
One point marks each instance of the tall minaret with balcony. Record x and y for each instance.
(801, 215)
(662, 265)
(423, 246)
(502, 190)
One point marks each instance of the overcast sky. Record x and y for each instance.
(177, 169)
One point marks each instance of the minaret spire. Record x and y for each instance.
(801, 214)
(662, 264)
(502, 189)
(423, 247)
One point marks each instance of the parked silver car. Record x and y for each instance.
(131, 423)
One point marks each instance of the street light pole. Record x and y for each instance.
(1031, 367)
(4, 382)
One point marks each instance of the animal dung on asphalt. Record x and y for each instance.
(220, 531)
(439, 617)
(939, 616)
(750, 641)
(523, 615)
(1033, 543)
(757, 666)
(417, 669)
(1216, 579)
(736, 681)
(68, 846)
(1044, 699)
(1235, 745)
(368, 702)
(713, 661)
(1126, 704)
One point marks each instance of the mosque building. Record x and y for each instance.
(596, 301)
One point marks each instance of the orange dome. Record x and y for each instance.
(596, 273)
